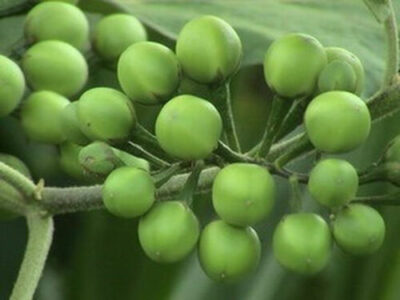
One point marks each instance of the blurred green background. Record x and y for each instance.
(97, 256)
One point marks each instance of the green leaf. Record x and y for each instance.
(379, 8)
(10, 7)
(346, 24)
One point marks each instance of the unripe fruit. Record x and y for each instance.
(148, 72)
(343, 55)
(337, 122)
(337, 76)
(359, 229)
(55, 66)
(333, 182)
(67, 1)
(128, 192)
(69, 161)
(115, 33)
(168, 232)
(302, 243)
(70, 125)
(293, 63)
(228, 253)
(41, 117)
(243, 194)
(208, 49)
(188, 127)
(12, 85)
(57, 21)
(106, 114)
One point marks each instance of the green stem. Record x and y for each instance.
(191, 183)
(19, 181)
(165, 175)
(156, 161)
(229, 121)
(392, 39)
(302, 146)
(387, 199)
(279, 109)
(295, 201)
(39, 242)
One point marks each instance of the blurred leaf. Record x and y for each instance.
(379, 8)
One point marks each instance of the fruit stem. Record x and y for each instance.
(392, 39)
(374, 174)
(40, 235)
(295, 199)
(19, 181)
(155, 160)
(229, 121)
(280, 108)
(303, 145)
(386, 199)
(191, 183)
(165, 175)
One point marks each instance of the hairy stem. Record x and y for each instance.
(19, 181)
(387, 199)
(229, 121)
(392, 41)
(39, 242)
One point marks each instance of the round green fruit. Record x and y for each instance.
(243, 194)
(228, 253)
(57, 21)
(337, 122)
(55, 66)
(343, 55)
(293, 63)
(128, 192)
(106, 114)
(148, 72)
(169, 231)
(41, 117)
(69, 161)
(115, 33)
(70, 125)
(12, 85)
(302, 243)
(188, 127)
(333, 182)
(359, 229)
(337, 76)
(208, 49)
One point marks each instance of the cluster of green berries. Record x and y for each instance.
(208, 52)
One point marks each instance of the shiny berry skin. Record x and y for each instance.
(333, 182)
(106, 114)
(228, 253)
(208, 49)
(148, 72)
(41, 117)
(115, 33)
(359, 229)
(70, 125)
(128, 192)
(293, 63)
(243, 194)
(12, 85)
(337, 122)
(188, 127)
(169, 231)
(57, 21)
(302, 243)
(55, 66)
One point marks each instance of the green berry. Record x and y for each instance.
(148, 72)
(115, 33)
(333, 182)
(337, 76)
(168, 232)
(69, 161)
(337, 122)
(41, 117)
(128, 192)
(293, 63)
(228, 253)
(243, 194)
(188, 127)
(359, 229)
(55, 66)
(208, 49)
(70, 125)
(334, 53)
(57, 21)
(302, 243)
(12, 85)
(106, 114)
